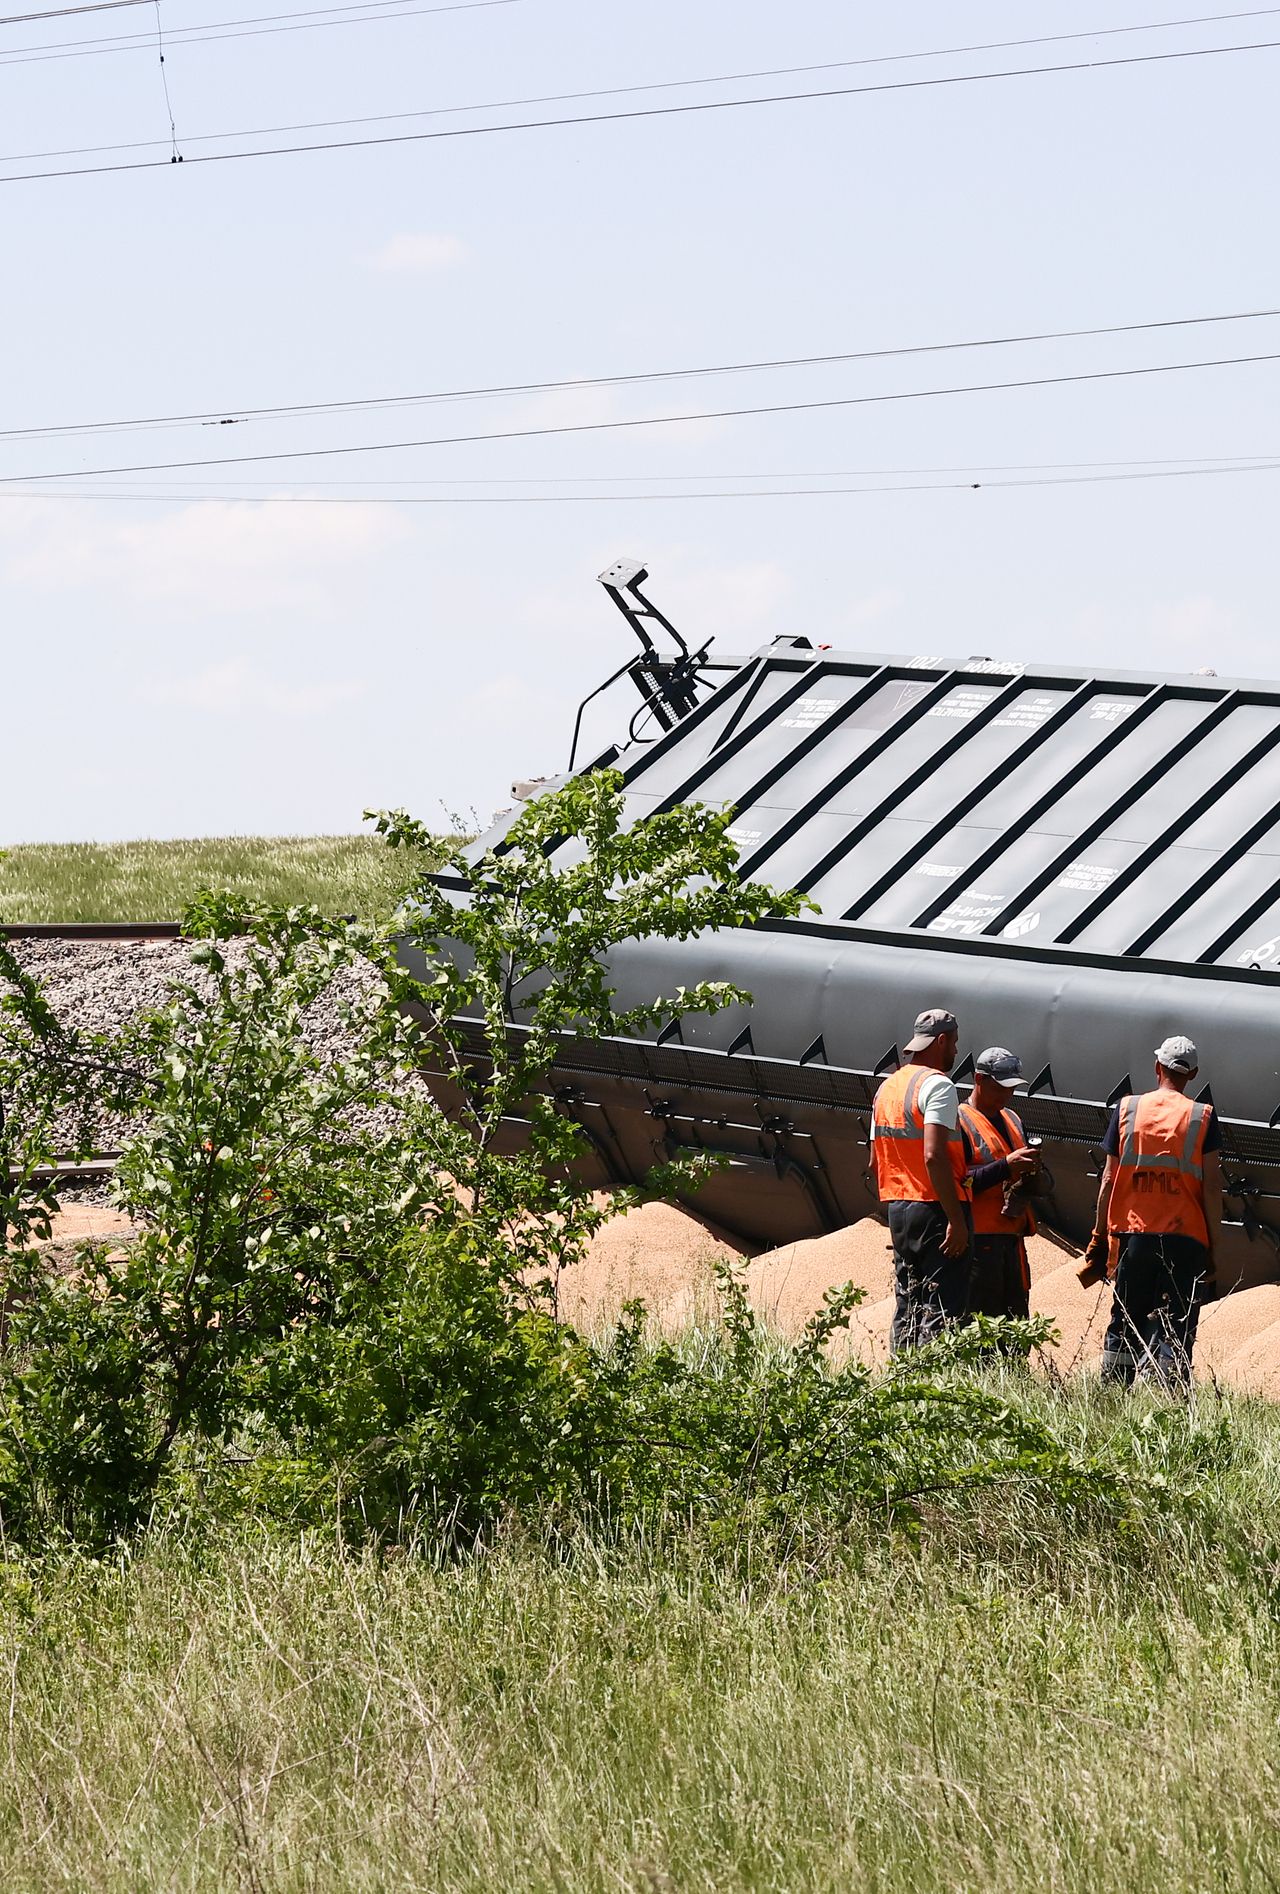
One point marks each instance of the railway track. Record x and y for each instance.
(85, 1170)
(65, 1169)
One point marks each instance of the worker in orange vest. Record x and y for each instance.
(1161, 1196)
(998, 1161)
(920, 1175)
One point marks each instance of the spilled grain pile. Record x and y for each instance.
(658, 1254)
(665, 1257)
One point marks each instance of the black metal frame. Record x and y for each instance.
(980, 947)
(786, 1082)
(668, 687)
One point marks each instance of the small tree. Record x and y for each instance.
(281, 1189)
(524, 953)
(256, 1192)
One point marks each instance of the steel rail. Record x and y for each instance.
(91, 930)
(60, 1169)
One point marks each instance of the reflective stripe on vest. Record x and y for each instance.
(901, 1172)
(1189, 1160)
(989, 1142)
(990, 1146)
(912, 1127)
(1159, 1171)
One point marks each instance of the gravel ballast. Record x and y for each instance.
(99, 986)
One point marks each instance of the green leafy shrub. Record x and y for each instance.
(443, 1401)
(272, 1203)
(444, 1397)
(255, 1202)
(743, 1428)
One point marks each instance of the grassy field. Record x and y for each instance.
(152, 881)
(1011, 1704)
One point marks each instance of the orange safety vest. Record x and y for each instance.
(1159, 1173)
(899, 1141)
(988, 1142)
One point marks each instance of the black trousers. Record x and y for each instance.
(1155, 1309)
(931, 1291)
(998, 1285)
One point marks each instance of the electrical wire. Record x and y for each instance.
(132, 42)
(652, 111)
(369, 12)
(610, 92)
(237, 417)
(578, 499)
(61, 13)
(1229, 462)
(652, 420)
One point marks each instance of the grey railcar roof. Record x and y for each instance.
(1124, 816)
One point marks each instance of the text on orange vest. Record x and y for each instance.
(1159, 1171)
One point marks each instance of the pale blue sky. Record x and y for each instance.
(182, 668)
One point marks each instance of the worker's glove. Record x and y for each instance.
(1094, 1268)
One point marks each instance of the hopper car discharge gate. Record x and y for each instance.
(1076, 864)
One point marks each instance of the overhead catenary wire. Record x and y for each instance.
(1242, 462)
(62, 13)
(609, 92)
(652, 420)
(365, 12)
(653, 111)
(600, 499)
(235, 417)
(131, 42)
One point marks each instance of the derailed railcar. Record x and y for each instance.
(1074, 863)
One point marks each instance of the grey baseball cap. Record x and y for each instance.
(930, 1025)
(1178, 1054)
(1005, 1067)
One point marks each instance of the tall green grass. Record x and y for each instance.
(1025, 1700)
(153, 881)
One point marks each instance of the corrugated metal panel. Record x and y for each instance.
(1126, 817)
